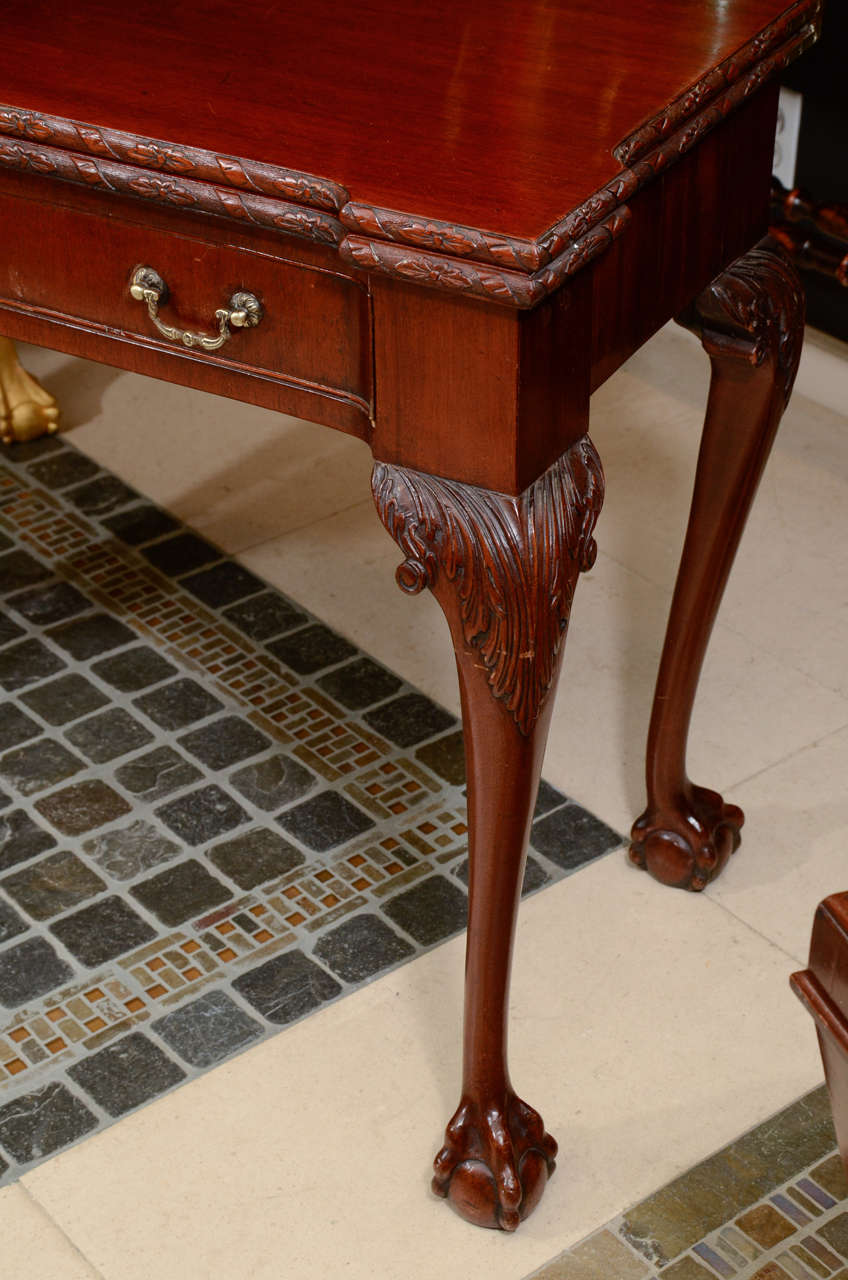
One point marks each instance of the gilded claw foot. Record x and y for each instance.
(689, 846)
(26, 409)
(495, 1162)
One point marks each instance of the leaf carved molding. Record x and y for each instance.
(512, 562)
(507, 269)
(755, 310)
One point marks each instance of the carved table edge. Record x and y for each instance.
(803, 18)
(442, 255)
(479, 279)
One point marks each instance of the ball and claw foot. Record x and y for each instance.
(690, 846)
(495, 1162)
(27, 411)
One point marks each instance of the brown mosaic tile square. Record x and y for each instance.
(765, 1225)
(82, 807)
(64, 699)
(687, 1269)
(21, 838)
(835, 1233)
(771, 1271)
(676, 1217)
(830, 1174)
(38, 765)
(601, 1256)
(157, 773)
(181, 892)
(51, 885)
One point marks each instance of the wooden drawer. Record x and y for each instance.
(74, 265)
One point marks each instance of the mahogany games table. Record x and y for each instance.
(437, 226)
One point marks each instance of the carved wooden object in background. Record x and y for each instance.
(815, 235)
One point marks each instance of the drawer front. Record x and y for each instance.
(76, 264)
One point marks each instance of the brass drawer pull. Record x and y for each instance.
(244, 311)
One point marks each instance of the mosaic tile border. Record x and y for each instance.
(216, 814)
(772, 1205)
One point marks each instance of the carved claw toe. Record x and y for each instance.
(495, 1162)
(689, 846)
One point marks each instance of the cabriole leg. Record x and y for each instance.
(26, 409)
(504, 570)
(750, 321)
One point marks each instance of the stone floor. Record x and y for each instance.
(655, 1031)
(220, 814)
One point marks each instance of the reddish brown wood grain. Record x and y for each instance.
(498, 116)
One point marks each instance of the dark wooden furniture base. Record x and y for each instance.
(823, 989)
(451, 223)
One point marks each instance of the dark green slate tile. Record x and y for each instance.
(182, 892)
(64, 699)
(207, 1030)
(181, 553)
(51, 885)
(91, 635)
(311, 648)
(126, 852)
(224, 742)
(52, 603)
(361, 947)
(63, 470)
(265, 616)
(360, 683)
(178, 704)
(108, 734)
(134, 669)
(223, 584)
(157, 773)
(431, 910)
(28, 970)
(16, 726)
(36, 1124)
(82, 807)
(37, 765)
(100, 496)
(409, 719)
(286, 987)
(324, 821)
(272, 783)
(25, 662)
(102, 931)
(201, 815)
(21, 838)
(446, 757)
(255, 857)
(141, 524)
(18, 569)
(126, 1074)
(571, 837)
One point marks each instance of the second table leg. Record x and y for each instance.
(751, 322)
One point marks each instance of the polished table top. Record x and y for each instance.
(498, 116)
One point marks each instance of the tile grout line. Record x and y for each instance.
(77, 1249)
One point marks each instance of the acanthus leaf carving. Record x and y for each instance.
(756, 306)
(512, 562)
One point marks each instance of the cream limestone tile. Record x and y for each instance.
(784, 591)
(823, 375)
(33, 1247)
(237, 473)
(649, 1027)
(794, 845)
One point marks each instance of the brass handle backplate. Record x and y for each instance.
(244, 312)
